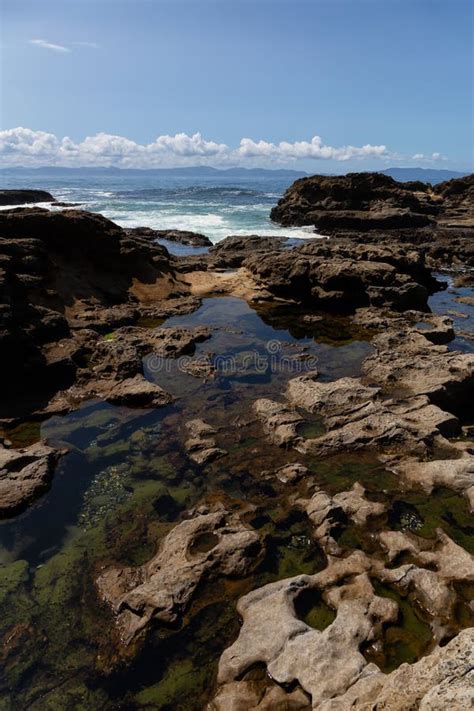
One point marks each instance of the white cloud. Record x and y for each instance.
(23, 146)
(308, 149)
(49, 45)
(433, 158)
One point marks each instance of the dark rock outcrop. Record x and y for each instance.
(23, 197)
(359, 201)
(342, 277)
(53, 267)
(458, 201)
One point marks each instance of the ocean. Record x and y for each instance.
(216, 205)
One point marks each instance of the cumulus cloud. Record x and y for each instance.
(49, 45)
(23, 146)
(432, 158)
(307, 149)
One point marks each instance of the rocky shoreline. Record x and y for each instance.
(83, 306)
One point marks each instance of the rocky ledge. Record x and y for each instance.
(191, 239)
(373, 201)
(24, 197)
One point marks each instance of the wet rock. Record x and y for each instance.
(137, 392)
(201, 367)
(192, 239)
(334, 398)
(176, 341)
(430, 575)
(25, 474)
(201, 445)
(457, 474)
(254, 696)
(204, 547)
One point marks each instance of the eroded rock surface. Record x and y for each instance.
(212, 543)
(24, 475)
(201, 444)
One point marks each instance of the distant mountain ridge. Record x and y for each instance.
(204, 171)
(426, 175)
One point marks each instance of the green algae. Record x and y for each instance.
(311, 429)
(24, 434)
(11, 577)
(443, 508)
(408, 639)
(340, 472)
(311, 608)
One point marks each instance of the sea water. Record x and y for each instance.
(216, 205)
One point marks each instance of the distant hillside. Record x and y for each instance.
(426, 175)
(196, 171)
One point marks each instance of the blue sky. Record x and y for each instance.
(390, 78)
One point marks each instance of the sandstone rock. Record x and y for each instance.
(324, 663)
(430, 576)
(206, 546)
(201, 445)
(279, 422)
(442, 680)
(137, 392)
(329, 514)
(457, 474)
(25, 474)
(355, 417)
(291, 472)
(405, 361)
